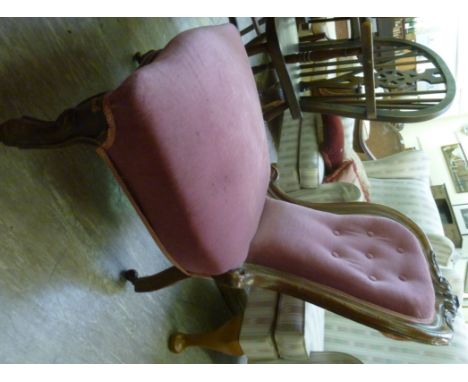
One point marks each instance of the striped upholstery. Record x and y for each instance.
(311, 165)
(286, 328)
(370, 346)
(412, 197)
(256, 337)
(288, 154)
(412, 164)
(302, 328)
(299, 160)
(299, 328)
(298, 155)
(328, 193)
(443, 248)
(348, 129)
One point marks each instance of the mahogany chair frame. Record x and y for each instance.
(86, 123)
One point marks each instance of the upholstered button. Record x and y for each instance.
(370, 233)
(402, 278)
(335, 254)
(336, 232)
(401, 250)
(373, 278)
(369, 255)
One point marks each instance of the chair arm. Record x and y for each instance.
(329, 193)
(444, 249)
(405, 164)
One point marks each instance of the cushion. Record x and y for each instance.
(348, 173)
(411, 197)
(188, 144)
(336, 137)
(411, 164)
(360, 171)
(332, 146)
(369, 257)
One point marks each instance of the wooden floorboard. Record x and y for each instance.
(66, 228)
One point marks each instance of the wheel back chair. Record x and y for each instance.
(363, 77)
(185, 138)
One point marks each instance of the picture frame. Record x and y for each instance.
(461, 216)
(457, 164)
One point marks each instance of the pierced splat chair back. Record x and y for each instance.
(384, 79)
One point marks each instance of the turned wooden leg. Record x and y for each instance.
(84, 123)
(225, 339)
(155, 282)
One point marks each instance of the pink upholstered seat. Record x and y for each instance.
(190, 147)
(188, 144)
(369, 257)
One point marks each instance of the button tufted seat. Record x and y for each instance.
(369, 257)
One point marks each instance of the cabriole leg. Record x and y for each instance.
(157, 281)
(84, 123)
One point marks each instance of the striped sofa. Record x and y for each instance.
(280, 327)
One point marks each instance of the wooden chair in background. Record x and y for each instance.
(363, 77)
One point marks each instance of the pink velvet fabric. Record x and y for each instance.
(190, 147)
(332, 147)
(371, 258)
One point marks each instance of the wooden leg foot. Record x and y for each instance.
(177, 342)
(130, 275)
(154, 282)
(225, 339)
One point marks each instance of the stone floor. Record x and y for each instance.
(66, 228)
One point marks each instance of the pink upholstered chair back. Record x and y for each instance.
(189, 144)
(372, 258)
